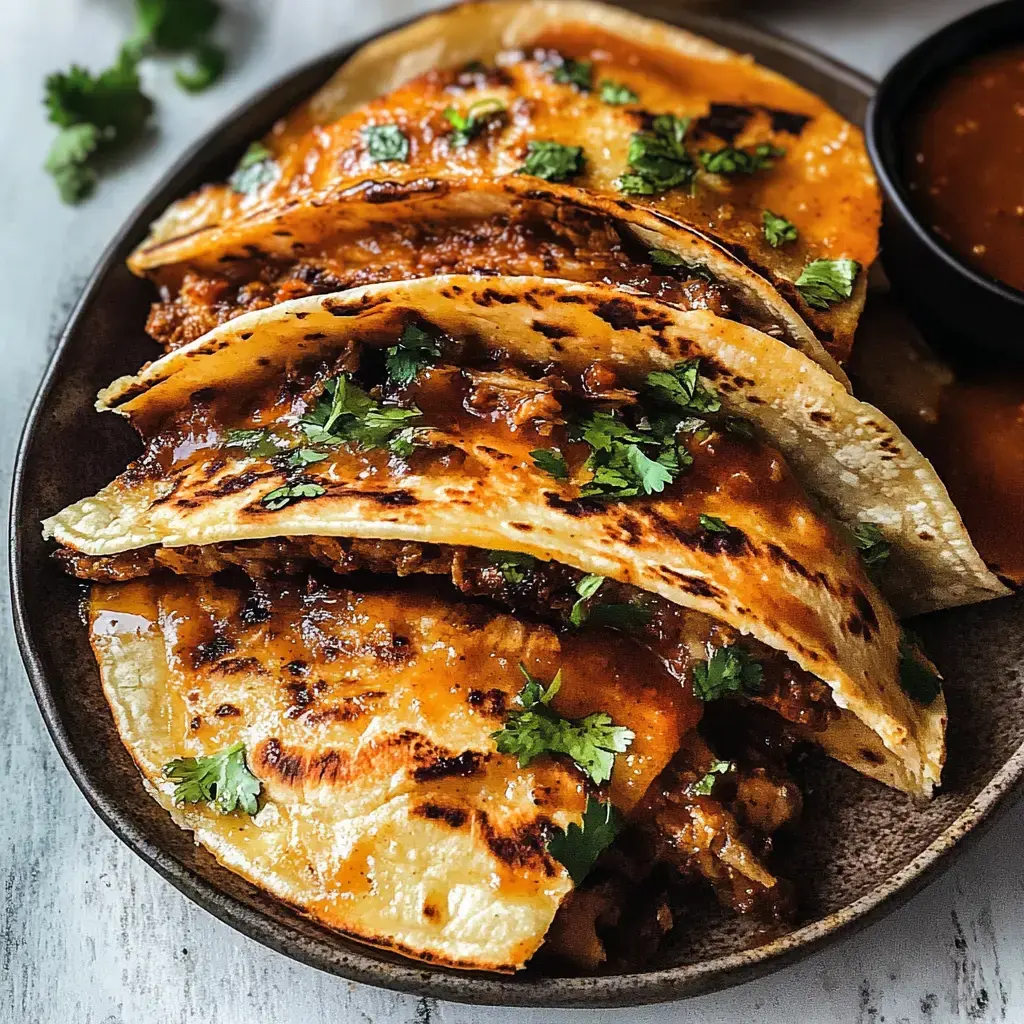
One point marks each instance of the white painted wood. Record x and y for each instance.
(88, 934)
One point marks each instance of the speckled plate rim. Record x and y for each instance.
(341, 957)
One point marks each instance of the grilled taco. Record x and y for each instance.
(696, 151)
(359, 731)
(600, 434)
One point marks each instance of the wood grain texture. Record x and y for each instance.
(90, 935)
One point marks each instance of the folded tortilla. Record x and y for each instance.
(784, 576)
(823, 183)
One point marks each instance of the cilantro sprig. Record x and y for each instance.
(466, 127)
(871, 543)
(729, 672)
(255, 169)
(657, 158)
(615, 94)
(578, 847)
(415, 351)
(290, 493)
(345, 414)
(823, 283)
(221, 780)
(551, 461)
(514, 566)
(552, 161)
(591, 742)
(616, 614)
(578, 73)
(729, 160)
(777, 230)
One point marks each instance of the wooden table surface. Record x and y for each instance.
(88, 933)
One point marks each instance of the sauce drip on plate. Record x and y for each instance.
(964, 162)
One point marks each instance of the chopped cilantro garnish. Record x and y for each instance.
(578, 847)
(175, 24)
(713, 524)
(683, 386)
(466, 127)
(777, 230)
(871, 543)
(291, 493)
(729, 160)
(586, 588)
(415, 350)
(825, 282)
(552, 161)
(616, 94)
(514, 566)
(704, 785)
(579, 73)
(917, 678)
(730, 671)
(221, 780)
(385, 143)
(657, 159)
(591, 742)
(345, 414)
(552, 461)
(255, 169)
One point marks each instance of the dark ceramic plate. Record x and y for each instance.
(862, 850)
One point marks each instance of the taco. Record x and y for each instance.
(645, 123)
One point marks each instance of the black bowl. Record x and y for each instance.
(956, 306)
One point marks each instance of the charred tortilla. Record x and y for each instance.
(822, 183)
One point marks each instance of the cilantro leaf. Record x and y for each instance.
(174, 24)
(586, 588)
(552, 161)
(291, 493)
(729, 160)
(255, 169)
(652, 475)
(917, 677)
(871, 543)
(68, 159)
(713, 524)
(551, 461)
(704, 785)
(615, 94)
(514, 566)
(657, 159)
(301, 457)
(579, 73)
(591, 742)
(578, 847)
(683, 386)
(466, 128)
(825, 282)
(345, 414)
(209, 62)
(260, 442)
(386, 143)
(415, 350)
(777, 230)
(666, 258)
(221, 780)
(730, 671)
